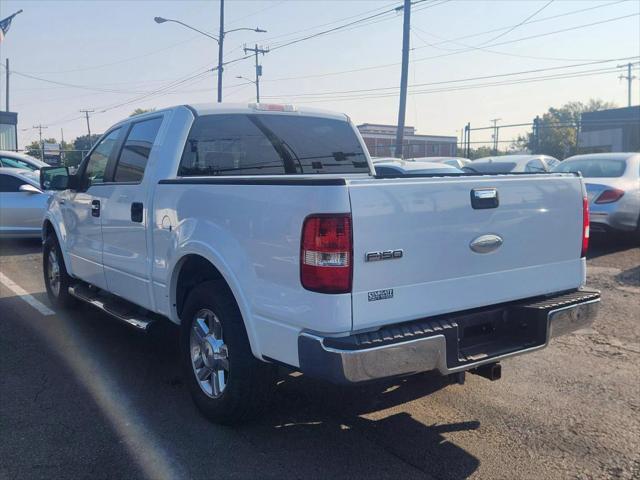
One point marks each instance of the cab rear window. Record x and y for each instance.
(266, 144)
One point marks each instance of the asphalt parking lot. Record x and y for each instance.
(82, 396)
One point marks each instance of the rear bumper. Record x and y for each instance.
(448, 343)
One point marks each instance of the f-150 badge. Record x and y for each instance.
(383, 255)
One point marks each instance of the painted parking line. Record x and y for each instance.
(24, 295)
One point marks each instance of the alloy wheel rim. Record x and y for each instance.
(53, 273)
(209, 353)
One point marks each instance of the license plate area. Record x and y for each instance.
(495, 332)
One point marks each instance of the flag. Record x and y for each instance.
(5, 24)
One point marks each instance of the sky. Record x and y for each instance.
(111, 57)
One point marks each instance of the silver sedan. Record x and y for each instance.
(17, 160)
(22, 203)
(613, 188)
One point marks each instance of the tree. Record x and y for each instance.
(34, 148)
(80, 147)
(480, 152)
(139, 111)
(557, 129)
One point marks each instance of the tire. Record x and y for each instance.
(56, 278)
(233, 386)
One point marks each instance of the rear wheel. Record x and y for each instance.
(56, 278)
(227, 383)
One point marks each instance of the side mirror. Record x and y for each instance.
(56, 178)
(28, 188)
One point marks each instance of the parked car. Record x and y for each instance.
(263, 231)
(457, 162)
(613, 188)
(396, 166)
(22, 203)
(512, 164)
(17, 160)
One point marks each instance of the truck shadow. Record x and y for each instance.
(311, 429)
(304, 405)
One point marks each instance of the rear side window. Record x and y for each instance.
(594, 168)
(10, 184)
(136, 150)
(489, 167)
(15, 163)
(535, 166)
(263, 144)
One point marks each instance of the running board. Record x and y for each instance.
(118, 308)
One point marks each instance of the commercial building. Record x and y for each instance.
(613, 130)
(381, 139)
(8, 131)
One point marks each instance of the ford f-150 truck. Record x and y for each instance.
(265, 233)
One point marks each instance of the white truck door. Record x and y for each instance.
(82, 212)
(125, 218)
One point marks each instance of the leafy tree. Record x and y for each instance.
(480, 152)
(558, 129)
(74, 153)
(34, 148)
(139, 111)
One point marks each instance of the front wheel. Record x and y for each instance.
(56, 278)
(227, 383)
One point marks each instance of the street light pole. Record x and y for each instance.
(220, 44)
(219, 39)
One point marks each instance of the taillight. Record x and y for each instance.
(610, 196)
(326, 253)
(585, 226)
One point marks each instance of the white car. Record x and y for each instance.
(396, 166)
(512, 164)
(10, 159)
(263, 231)
(22, 203)
(458, 162)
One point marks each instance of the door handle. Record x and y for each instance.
(137, 210)
(95, 208)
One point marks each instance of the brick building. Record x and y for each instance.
(380, 140)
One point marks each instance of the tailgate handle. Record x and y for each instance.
(482, 198)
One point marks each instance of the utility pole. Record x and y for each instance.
(256, 51)
(467, 142)
(220, 45)
(7, 85)
(40, 127)
(629, 78)
(495, 134)
(404, 75)
(86, 114)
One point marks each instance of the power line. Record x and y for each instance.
(518, 24)
(543, 19)
(485, 77)
(346, 25)
(468, 87)
(395, 64)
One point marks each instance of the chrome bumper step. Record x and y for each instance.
(449, 343)
(116, 307)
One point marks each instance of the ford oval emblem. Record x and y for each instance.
(486, 243)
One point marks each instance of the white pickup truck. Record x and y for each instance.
(264, 231)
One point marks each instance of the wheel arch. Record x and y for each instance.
(194, 268)
(49, 227)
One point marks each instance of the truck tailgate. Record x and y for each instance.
(413, 239)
